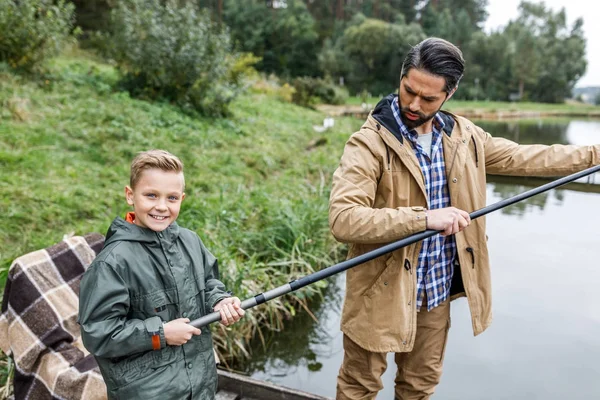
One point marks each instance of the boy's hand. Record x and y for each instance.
(230, 309)
(179, 331)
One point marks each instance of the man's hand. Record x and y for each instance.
(450, 220)
(179, 331)
(230, 309)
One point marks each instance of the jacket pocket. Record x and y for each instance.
(129, 369)
(380, 280)
(133, 375)
(161, 302)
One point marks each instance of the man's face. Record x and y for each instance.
(421, 96)
(156, 198)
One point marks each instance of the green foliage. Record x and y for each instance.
(372, 52)
(474, 11)
(285, 39)
(254, 193)
(547, 57)
(312, 91)
(31, 31)
(597, 100)
(175, 53)
(536, 57)
(93, 15)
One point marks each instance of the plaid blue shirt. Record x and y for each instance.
(435, 269)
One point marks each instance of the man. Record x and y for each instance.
(412, 167)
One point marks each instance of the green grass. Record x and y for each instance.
(255, 193)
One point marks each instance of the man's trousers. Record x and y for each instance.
(419, 371)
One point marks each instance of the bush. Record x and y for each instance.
(176, 53)
(33, 30)
(311, 91)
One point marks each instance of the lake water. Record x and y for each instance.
(544, 342)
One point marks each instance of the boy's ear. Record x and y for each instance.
(182, 196)
(129, 195)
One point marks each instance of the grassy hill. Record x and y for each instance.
(257, 188)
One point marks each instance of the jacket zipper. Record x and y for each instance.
(476, 153)
(470, 250)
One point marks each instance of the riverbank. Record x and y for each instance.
(492, 110)
(256, 182)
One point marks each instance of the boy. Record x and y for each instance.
(142, 289)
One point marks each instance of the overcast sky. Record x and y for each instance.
(502, 11)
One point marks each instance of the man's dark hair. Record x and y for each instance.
(437, 57)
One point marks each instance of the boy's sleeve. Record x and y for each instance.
(103, 307)
(214, 288)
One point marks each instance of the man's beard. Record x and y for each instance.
(412, 124)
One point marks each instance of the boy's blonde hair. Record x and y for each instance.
(159, 159)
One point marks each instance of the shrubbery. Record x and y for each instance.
(311, 91)
(33, 30)
(176, 53)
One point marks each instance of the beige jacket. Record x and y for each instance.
(378, 196)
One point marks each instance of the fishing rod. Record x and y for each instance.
(353, 262)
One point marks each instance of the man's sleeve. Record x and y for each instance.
(352, 217)
(504, 157)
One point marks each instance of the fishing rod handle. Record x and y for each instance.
(216, 316)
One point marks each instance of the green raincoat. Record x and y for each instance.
(138, 281)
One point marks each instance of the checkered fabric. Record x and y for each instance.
(38, 325)
(435, 269)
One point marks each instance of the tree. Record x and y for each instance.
(372, 52)
(285, 38)
(547, 55)
(488, 70)
(474, 9)
(525, 54)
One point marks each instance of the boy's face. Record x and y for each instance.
(156, 198)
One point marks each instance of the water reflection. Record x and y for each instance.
(528, 131)
(504, 191)
(307, 354)
(553, 131)
(545, 339)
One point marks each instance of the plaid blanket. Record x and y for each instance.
(38, 325)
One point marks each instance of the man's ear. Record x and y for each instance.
(451, 93)
(129, 195)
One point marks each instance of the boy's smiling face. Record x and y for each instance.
(156, 198)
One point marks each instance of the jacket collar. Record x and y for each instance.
(123, 230)
(384, 115)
